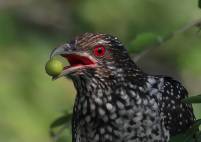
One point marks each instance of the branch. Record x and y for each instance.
(196, 23)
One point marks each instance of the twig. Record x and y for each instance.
(137, 57)
(196, 23)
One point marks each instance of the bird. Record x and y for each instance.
(116, 101)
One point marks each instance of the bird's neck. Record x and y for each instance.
(92, 96)
(97, 101)
(90, 84)
(96, 92)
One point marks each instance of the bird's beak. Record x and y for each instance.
(76, 58)
(64, 49)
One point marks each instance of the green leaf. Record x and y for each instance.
(195, 125)
(178, 138)
(193, 99)
(60, 121)
(198, 136)
(191, 135)
(142, 41)
(63, 123)
(63, 120)
(199, 3)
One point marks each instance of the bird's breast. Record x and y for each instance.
(119, 118)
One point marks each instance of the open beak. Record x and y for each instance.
(77, 59)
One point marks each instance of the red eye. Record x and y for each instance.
(99, 50)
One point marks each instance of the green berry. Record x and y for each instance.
(54, 67)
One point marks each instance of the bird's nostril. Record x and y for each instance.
(72, 44)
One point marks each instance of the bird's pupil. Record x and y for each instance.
(99, 50)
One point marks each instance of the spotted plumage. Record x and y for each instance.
(116, 101)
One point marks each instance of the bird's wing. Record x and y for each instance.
(177, 115)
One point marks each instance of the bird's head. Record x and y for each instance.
(94, 54)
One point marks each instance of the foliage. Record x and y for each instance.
(199, 3)
(144, 41)
(64, 122)
(193, 99)
(191, 135)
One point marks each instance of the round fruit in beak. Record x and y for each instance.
(54, 67)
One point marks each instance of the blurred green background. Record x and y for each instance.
(30, 29)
